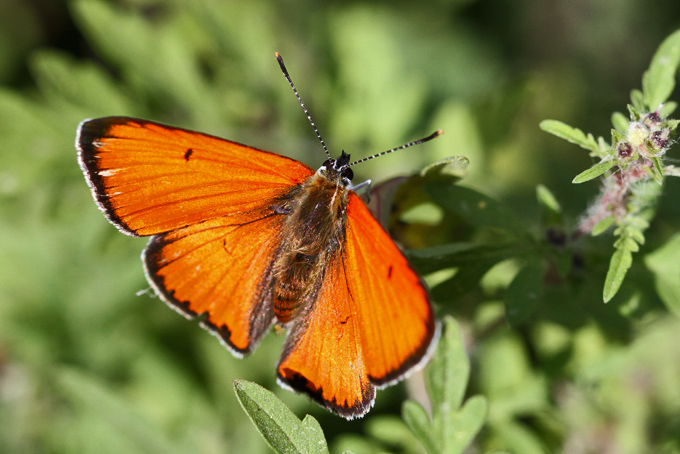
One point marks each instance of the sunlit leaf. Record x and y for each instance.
(659, 80)
(621, 261)
(280, 428)
(594, 172)
(573, 135)
(418, 421)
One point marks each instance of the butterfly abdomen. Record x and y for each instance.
(312, 234)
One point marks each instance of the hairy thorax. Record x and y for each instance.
(313, 232)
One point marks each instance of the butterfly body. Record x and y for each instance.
(312, 234)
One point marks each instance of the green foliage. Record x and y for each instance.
(629, 197)
(453, 424)
(90, 361)
(450, 430)
(277, 424)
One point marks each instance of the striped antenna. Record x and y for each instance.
(309, 117)
(410, 144)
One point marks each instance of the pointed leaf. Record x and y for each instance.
(603, 225)
(620, 122)
(668, 108)
(548, 200)
(566, 132)
(391, 431)
(594, 172)
(447, 375)
(621, 260)
(280, 428)
(465, 425)
(451, 169)
(637, 98)
(659, 80)
(315, 437)
(418, 421)
(658, 169)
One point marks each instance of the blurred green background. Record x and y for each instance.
(90, 361)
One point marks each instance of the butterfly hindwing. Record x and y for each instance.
(220, 269)
(323, 354)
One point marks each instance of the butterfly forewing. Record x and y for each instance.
(149, 178)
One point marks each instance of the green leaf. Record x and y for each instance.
(524, 293)
(620, 122)
(475, 207)
(658, 169)
(594, 172)
(418, 421)
(465, 425)
(451, 169)
(603, 225)
(621, 261)
(617, 137)
(637, 98)
(573, 135)
(280, 428)
(315, 437)
(446, 378)
(659, 80)
(668, 108)
(552, 208)
(518, 438)
(391, 431)
(637, 235)
(665, 265)
(447, 375)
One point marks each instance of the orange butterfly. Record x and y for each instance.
(247, 238)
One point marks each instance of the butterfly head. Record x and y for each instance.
(338, 169)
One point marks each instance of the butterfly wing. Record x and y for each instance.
(220, 269)
(210, 204)
(397, 321)
(371, 322)
(149, 178)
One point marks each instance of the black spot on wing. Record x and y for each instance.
(188, 154)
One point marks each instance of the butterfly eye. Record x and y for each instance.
(348, 173)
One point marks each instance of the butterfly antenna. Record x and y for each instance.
(309, 117)
(410, 144)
